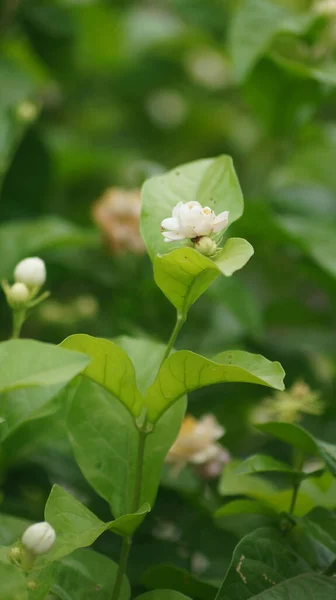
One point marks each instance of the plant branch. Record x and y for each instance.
(297, 464)
(180, 320)
(125, 550)
(19, 317)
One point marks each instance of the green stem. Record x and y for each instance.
(19, 317)
(127, 541)
(178, 326)
(298, 464)
(125, 550)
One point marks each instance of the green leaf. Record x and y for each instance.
(18, 109)
(321, 525)
(13, 583)
(162, 576)
(260, 463)
(31, 374)
(300, 438)
(11, 529)
(244, 507)
(94, 414)
(110, 367)
(163, 595)
(136, 349)
(254, 25)
(75, 525)
(264, 567)
(19, 239)
(184, 274)
(43, 579)
(253, 486)
(185, 371)
(86, 574)
(212, 182)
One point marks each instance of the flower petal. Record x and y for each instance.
(171, 223)
(221, 221)
(176, 209)
(172, 236)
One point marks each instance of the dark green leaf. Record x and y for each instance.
(163, 576)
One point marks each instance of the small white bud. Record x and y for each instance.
(39, 538)
(18, 294)
(31, 271)
(206, 245)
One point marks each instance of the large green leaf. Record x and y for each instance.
(184, 274)
(212, 182)
(13, 583)
(11, 529)
(162, 576)
(163, 595)
(105, 441)
(77, 527)
(264, 567)
(300, 438)
(254, 25)
(260, 463)
(86, 575)
(185, 371)
(31, 374)
(43, 581)
(110, 367)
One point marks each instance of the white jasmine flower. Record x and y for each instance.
(31, 271)
(190, 220)
(39, 538)
(196, 444)
(18, 294)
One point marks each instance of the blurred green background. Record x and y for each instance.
(95, 94)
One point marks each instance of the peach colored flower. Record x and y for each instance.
(117, 214)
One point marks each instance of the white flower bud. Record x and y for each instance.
(206, 245)
(31, 271)
(18, 294)
(39, 538)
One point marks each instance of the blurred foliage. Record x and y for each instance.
(95, 93)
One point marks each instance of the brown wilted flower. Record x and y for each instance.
(117, 214)
(196, 445)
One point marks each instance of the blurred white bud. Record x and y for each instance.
(26, 111)
(39, 538)
(18, 294)
(31, 271)
(206, 246)
(167, 108)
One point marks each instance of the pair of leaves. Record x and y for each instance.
(182, 273)
(31, 374)
(106, 403)
(265, 567)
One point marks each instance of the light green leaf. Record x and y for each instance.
(31, 374)
(110, 367)
(86, 574)
(162, 577)
(13, 583)
(254, 25)
(105, 440)
(300, 438)
(212, 182)
(184, 274)
(75, 525)
(136, 349)
(27, 363)
(236, 484)
(260, 463)
(264, 567)
(163, 595)
(185, 371)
